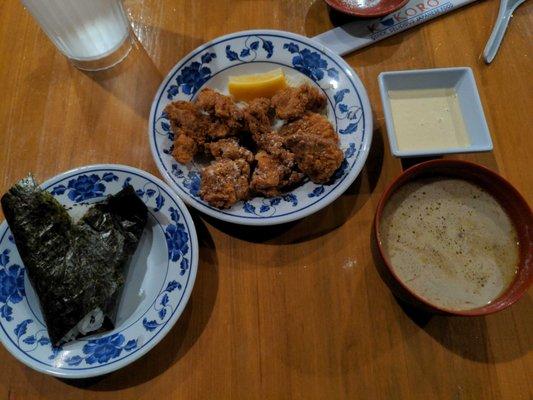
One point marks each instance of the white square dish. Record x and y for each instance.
(459, 80)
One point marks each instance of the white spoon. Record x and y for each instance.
(504, 15)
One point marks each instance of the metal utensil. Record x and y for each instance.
(504, 15)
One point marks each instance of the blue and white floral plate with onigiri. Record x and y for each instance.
(256, 51)
(159, 281)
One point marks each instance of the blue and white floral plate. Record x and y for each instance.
(247, 52)
(159, 281)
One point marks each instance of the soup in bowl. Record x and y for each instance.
(455, 238)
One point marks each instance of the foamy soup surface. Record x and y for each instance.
(450, 242)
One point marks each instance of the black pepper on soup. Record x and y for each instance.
(450, 242)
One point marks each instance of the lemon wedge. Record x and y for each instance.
(249, 87)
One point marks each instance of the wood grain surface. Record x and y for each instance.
(296, 311)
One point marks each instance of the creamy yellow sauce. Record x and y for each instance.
(450, 242)
(427, 119)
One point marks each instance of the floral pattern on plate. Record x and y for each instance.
(300, 57)
(23, 332)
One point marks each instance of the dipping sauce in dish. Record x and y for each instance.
(427, 119)
(450, 242)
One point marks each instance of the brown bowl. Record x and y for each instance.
(508, 197)
(367, 8)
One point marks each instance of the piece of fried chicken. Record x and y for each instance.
(293, 102)
(315, 146)
(258, 116)
(229, 148)
(184, 149)
(226, 118)
(311, 124)
(224, 182)
(271, 175)
(189, 126)
(274, 144)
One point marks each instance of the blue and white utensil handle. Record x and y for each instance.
(500, 26)
(357, 34)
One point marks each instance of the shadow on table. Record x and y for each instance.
(136, 79)
(323, 221)
(467, 337)
(181, 337)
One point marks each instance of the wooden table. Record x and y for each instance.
(296, 311)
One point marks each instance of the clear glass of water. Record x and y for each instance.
(93, 34)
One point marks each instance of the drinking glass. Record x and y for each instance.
(92, 34)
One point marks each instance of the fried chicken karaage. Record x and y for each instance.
(311, 124)
(315, 146)
(271, 176)
(230, 148)
(184, 148)
(307, 145)
(189, 126)
(293, 102)
(221, 109)
(258, 117)
(225, 182)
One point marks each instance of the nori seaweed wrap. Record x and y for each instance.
(77, 269)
